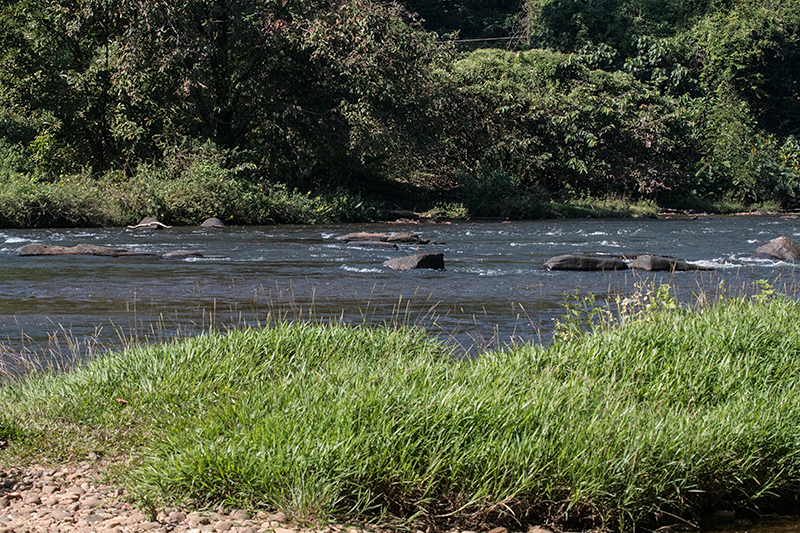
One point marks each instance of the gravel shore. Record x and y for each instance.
(70, 499)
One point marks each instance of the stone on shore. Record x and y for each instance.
(83, 504)
(411, 262)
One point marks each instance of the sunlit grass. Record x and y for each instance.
(660, 419)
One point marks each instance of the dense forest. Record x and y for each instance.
(262, 111)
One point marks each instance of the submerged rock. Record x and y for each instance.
(181, 254)
(585, 263)
(372, 244)
(188, 254)
(781, 248)
(411, 262)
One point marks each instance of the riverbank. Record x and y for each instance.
(186, 198)
(665, 419)
(74, 498)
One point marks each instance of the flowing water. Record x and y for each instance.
(494, 289)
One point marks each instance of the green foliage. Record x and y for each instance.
(466, 19)
(192, 184)
(307, 87)
(8, 430)
(665, 102)
(551, 124)
(494, 193)
(583, 315)
(726, 64)
(671, 412)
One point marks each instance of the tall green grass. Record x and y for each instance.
(661, 419)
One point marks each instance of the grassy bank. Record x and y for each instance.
(27, 201)
(80, 201)
(662, 419)
(190, 186)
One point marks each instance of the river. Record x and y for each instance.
(493, 291)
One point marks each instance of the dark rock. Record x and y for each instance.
(181, 254)
(80, 249)
(411, 262)
(188, 254)
(657, 263)
(585, 263)
(781, 248)
(212, 222)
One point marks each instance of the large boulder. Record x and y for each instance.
(212, 222)
(411, 262)
(658, 263)
(585, 263)
(406, 238)
(781, 248)
(34, 249)
(149, 223)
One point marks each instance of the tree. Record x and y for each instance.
(300, 84)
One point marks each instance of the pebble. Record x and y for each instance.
(69, 500)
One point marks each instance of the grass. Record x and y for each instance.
(176, 197)
(662, 418)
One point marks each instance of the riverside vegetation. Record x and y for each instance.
(658, 415)
(325, 110)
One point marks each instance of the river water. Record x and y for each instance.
(493, 291)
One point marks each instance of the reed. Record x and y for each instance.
(659, 419)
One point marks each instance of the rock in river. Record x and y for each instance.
(80, 249)
(410, 262)
(781, 248)
(372, 244)
(182, 254)
(406, 238)
(149, 223)
(585, 263)
(212, 222)
(657, 263)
